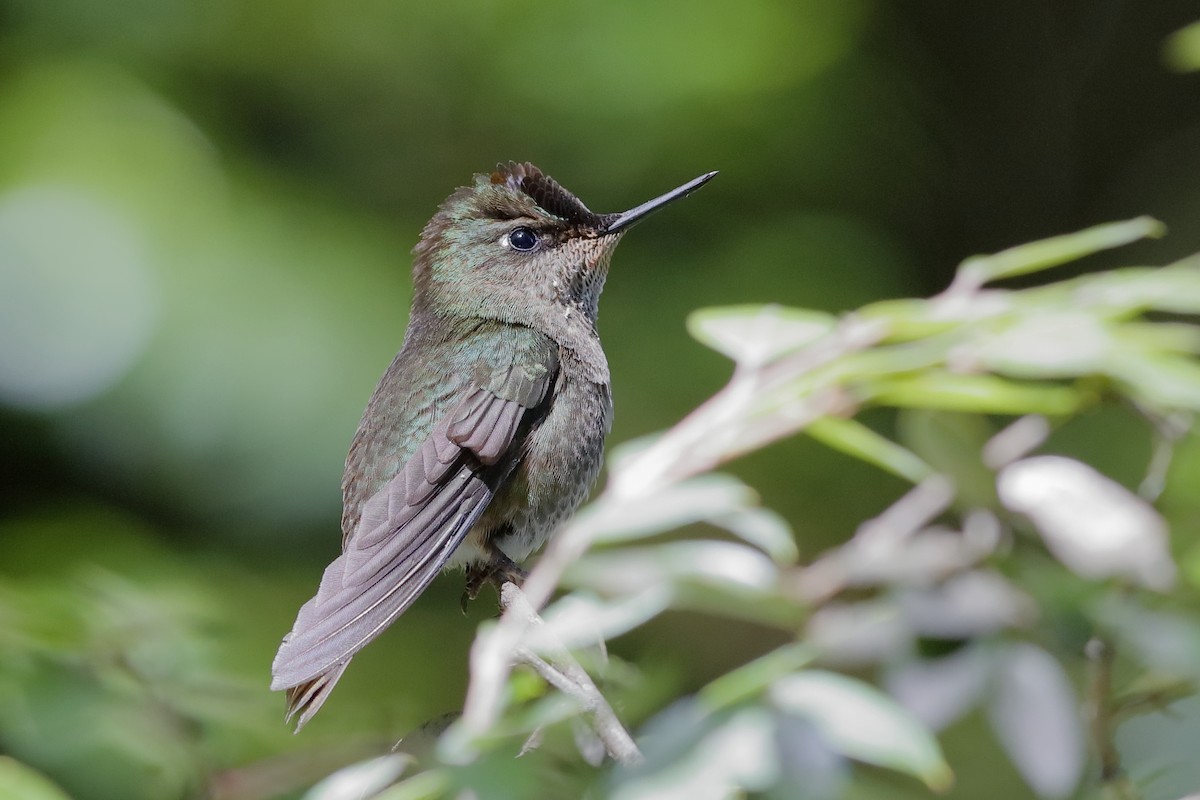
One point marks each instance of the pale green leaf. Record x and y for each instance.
(738, 753)
(952, 444)
(1163, 381)
(855, 439)
(859, 633)
(966, 606)
(1153, 338)
(863, 723)
(1158, 751)
(764, 529)
(426, 785)
(1040, 255)
(581, 620)
(981, 394)
(713, 576)
(910, 318)
(753, 335)
(1175, 288)
(1036, 717)
(19, 781)
(754, 677)
(907, 318)
(673, 506)
(1051, 344)
(1164, 640)
(940, 691)
(363, 779)
(922, 354)
(1092, 524)
(701, 560)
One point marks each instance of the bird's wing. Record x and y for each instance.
(411, 526)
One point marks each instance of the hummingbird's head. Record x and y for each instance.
(516, 246)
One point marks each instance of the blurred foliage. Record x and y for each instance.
(945, 598)
(204, 211)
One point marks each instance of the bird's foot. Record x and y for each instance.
(499, 570)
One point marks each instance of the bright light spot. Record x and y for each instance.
(76, 303)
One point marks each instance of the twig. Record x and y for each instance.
(564, 673)
(1016, 441)
(1101, 656)
(1168, 431)
(731, 422)
(492, 652)
(874, 553)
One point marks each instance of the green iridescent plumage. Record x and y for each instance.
(488, 428)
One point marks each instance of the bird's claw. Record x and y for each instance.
(498, 571)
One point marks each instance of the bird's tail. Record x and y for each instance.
(307, 698)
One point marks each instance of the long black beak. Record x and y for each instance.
(619, 222)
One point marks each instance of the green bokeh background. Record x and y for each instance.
(205, 216)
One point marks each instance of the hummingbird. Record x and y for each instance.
(486, 431)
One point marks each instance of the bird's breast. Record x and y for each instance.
(562, 458)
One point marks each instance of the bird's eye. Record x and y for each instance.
(523, 239)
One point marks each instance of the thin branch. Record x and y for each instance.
(552, 675)
(564, 673)
(1016, 441)
(876, 553)
(1168, 431)
(731, 422)
(491, 654)
(1101, 657)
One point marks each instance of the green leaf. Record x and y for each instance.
(913, 319)
(632, 570)
(855, 439)
(1091, 523)
(363, 779)
(913, 356)
(1152, 338)
(708, 496)
(718, 577)
(422, 786)
(1158, 751)
(980, 394)
(1051, 252)
(764, 529)
(908, 318)
(19, 781)
(753, 335)
(952, 444)
(581, 620)
(1163, 381)
(749, 679)
(1162, 640)
(1036, 717)
(939, 691)
(863, 723)
(1052, 344)
(737, 752)
(1175, 288)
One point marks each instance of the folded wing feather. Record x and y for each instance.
(407, 532)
